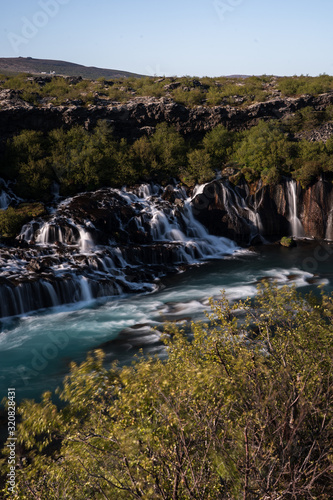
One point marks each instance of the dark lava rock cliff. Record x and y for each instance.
(141, 115)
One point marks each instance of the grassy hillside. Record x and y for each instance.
(12, 65)
(122, 87)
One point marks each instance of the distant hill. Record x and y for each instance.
(10, 65)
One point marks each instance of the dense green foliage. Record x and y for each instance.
(308, 118)
(12, 219)
(298, 85)
(79, 160)
(243, 410)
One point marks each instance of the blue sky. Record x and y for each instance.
(174, 37)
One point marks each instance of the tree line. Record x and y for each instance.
(79, 160)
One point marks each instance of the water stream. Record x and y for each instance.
(296, 225)
(114, 296)
(36, 350)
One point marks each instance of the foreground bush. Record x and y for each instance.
(243, 411)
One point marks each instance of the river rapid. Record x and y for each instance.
(80, 314)
(36, 349)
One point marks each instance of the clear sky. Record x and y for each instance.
(174, 37)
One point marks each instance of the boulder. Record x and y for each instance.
(287, 241)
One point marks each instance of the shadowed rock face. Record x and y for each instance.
(316, 209)
(267, 212)
(142, 114)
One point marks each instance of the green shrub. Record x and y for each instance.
(312, 159)
(218, 143)
(192, 97)
(271, 176)
(244, 410)
(169, 149)
(199, 168)
(264, 147)
(307, 119)
(27, 162)
(10, 222)
(291, 86)
(287, 241)
(115, 94)
(12, 219)
(214, 97)
(308, 172)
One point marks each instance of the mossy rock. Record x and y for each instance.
(287, 241)
(31, 209)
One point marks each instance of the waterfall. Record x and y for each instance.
(180, 227)
(207, 246)
(244, 209)
(102, 244)
(4, 200)
(6, 194)
(329, 226)
(295, 223)
(28, 231)
(26, 297)
(49, 233)
(55, 190)
(86, 242)
(51, 291)
(57, 230)
(254, 215)
(85, 289)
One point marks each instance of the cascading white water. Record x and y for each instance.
(295, 223)
(6, 195)
(329, 226)
(49, 233)
(54, 231)
(55, 190)
(85, 289)
(27, 232)
(254, 215)
(77, 269)
(207, 245)
(52, 293)
(192, 237)
(4, 200)
(86, 242)
(237, 207)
